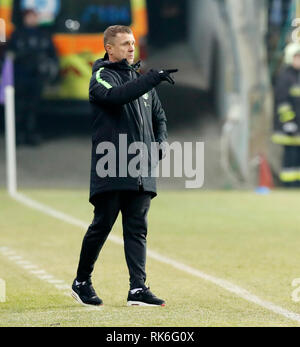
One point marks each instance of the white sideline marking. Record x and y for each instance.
(54, 281)
(15, 257)
(29, 266)
(64, 312)
(239, 291)
(38, 273)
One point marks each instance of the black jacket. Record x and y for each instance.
(287, 107)
(124, 102)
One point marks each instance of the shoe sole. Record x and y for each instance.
(140, 303)
(77, 298)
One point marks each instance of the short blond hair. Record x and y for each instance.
(111, 32)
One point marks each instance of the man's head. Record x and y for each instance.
(296, 61)
(119, 43)
(30, 18)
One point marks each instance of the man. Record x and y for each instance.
(124, 103)
(287, 116)
(35, 63)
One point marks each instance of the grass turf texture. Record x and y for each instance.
(251, 240)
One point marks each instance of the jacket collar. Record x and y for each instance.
(123, 64)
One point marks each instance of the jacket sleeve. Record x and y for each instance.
(51, 51)
(12, 43)
(105, 89)
(283, 108)
(159, 120)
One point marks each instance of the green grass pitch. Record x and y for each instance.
(250, 240)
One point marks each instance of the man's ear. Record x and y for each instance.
(108, 48)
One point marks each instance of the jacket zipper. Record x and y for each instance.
(140, 181)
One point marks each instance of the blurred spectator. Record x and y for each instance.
(279, 12)
(167, 21)
(287, 116)
(35, 65)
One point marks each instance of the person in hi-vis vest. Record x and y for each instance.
(287, 116)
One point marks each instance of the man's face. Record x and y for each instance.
(296, 61)
(31, 19)
(122, 47)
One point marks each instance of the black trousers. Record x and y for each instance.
(134, 207)
(290, 172)
(28, 100)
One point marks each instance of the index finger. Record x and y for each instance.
(172, 70)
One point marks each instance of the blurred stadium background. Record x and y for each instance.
(228, 53)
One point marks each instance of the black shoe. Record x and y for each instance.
(144, 297)
(85, 294)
